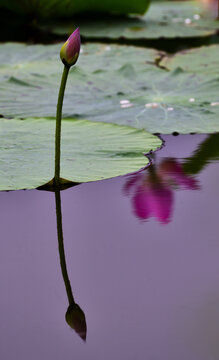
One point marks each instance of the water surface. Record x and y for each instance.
(142, 255)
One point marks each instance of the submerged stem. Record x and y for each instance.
(58, 124)
(61, 248)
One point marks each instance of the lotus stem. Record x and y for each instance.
(58, 124)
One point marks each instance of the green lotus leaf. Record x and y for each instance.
(116, 84)
(67, 8)
(90, 151)
(182, 19)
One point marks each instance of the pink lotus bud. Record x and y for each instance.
(70, 50)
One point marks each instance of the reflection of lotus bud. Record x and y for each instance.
(76, 319)
(70, 50)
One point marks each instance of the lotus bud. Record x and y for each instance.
(76, 320)
(70, 50)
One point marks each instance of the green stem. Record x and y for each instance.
(61, 248)
(58, 124)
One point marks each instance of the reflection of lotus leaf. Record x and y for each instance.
(207, 152)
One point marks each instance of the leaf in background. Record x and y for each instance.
(117, 84)
(202, 61)
(164, 19)
(66, 8)
(90, 151)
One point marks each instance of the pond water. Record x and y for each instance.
(142, 254)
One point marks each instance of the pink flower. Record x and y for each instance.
(171, 171)
(211, 7)
(70, 50)
(152, 190)
(154, 201)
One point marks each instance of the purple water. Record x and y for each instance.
(143, 266)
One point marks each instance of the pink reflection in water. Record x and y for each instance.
(152, 190)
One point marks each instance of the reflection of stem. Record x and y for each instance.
(61, 248)
(74, 316)
(58, 124)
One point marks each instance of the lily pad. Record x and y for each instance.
(66, 8)
(30, 78)
(116, 84)
(164, 20)
(202, 61)
(90, 151)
